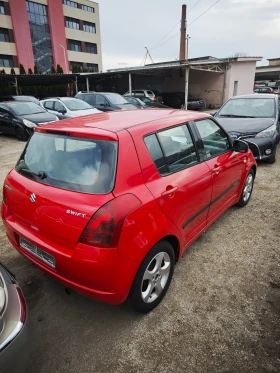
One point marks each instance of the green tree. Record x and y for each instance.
(53, 71)
(3, 72)
(22, 70)
(59, 69)
(30, 72)
(36, 72)
(13, 71)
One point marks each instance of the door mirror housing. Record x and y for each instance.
(240, 146)
(5, 115)
(62, 111)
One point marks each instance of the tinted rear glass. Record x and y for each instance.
(82, 165)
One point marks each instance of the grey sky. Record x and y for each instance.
(249, 26)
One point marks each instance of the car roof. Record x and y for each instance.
(256, 95)
(116, 121)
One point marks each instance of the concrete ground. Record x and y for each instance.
(221, 313)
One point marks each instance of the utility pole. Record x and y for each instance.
(184, 46)
(149, 55)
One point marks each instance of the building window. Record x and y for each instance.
(70, 3)
(76, 66)
(2, 9)
(6, 61)
(91, 48)
(72, 23)
(89, 27)
(92, 67)
(88, 8)
(40, 35)
(74, 45)
(4, 35)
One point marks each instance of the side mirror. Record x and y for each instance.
(62, 111)
(5, 115)
(240, 146)
(213, 114)
(102, 105)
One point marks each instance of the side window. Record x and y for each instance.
(48, 105)
(89, 99)
(215, 140)
(155, 151)
(3, 111)
(178, 148)
(58, 106)
(100, 100)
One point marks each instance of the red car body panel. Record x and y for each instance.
(202, 193)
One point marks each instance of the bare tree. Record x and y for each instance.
(238, 54)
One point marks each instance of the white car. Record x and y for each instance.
(68, 107)
(142, 93)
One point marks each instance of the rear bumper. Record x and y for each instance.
(97, 273)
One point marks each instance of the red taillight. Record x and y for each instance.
(104, 228)
(23, 310)
(155, 99)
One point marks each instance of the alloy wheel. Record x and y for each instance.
(155, 277)
(248, 187)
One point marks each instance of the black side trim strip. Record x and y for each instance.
(211, 203)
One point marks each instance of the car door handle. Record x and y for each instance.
(216, 170)
(169, 192)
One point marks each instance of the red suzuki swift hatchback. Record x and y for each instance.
(108, 203)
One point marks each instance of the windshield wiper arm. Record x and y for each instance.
(41, 174)
(235, 116)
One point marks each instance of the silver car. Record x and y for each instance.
(14, 329)
(68, 107)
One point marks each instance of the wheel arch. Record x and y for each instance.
(174, 242)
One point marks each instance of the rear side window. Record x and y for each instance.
(155, 151)
(76, 164)
(172, 150)
(215, 140)
(89, 99)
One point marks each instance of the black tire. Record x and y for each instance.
(243, 201)
(21, 135)
(139, 285)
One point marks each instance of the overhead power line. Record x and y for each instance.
(203, 13)
(157, 46)
(165, 35)
(194, 6)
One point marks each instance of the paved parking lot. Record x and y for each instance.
(221, 313)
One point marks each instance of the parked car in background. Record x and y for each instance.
(137, 102)
(19, 98)
(142, 93)
(105, 101)
(15, 341)
(265, 90)
(176, 100)
(68, 107)
(254, 119)
(20, 118)
(149, 103)
(131, 191)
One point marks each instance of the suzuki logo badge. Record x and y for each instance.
(33, 197)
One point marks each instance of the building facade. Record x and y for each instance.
(45, 33)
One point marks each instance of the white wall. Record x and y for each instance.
(244, 74)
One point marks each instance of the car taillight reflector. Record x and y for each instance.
(104, 228)
(155, 99)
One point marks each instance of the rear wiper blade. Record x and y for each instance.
(235, 116)
(41, 174)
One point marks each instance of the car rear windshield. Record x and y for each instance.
(81, 165)
(251, 107)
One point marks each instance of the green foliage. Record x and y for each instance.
(3, 72)
(85, 70)
(59, 69)
(30, 72)
(53, 71)
(36, 72)
(22, 70)
(13, 71)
